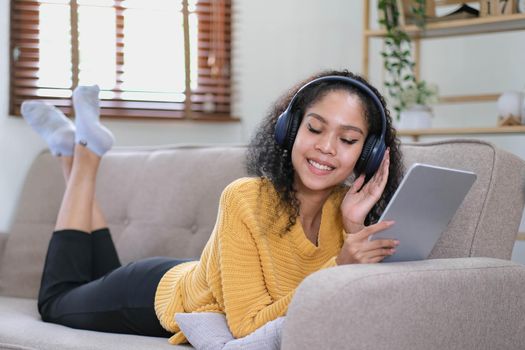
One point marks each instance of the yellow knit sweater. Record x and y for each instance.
(250, 267)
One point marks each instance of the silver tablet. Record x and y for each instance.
(422, 207)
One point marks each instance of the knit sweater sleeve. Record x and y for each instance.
(247, 302)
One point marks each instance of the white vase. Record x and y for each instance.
(416, 117)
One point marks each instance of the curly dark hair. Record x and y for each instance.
(268, 160)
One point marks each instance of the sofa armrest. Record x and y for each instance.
(466, 303)
(3, 241)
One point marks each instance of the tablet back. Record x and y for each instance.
(422, 207)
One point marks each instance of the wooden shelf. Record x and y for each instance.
(469, 98)
(416, 133)
(480, 25)
(521, 236)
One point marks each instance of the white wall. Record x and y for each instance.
(277, 43)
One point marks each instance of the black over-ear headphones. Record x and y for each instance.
(374, 148)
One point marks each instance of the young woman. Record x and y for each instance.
(326, 161)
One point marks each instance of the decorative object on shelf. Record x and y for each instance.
(509, 7)
(397, 54)
(463, 11)
(521, 6)
(509, 121)
(510, 106)
(497, 7)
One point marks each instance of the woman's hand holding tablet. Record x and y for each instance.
(358, 248)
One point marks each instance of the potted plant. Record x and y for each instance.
(416, 99)
(403, 87)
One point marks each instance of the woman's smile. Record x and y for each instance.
(319, 167)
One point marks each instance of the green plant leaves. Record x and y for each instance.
(397, 54)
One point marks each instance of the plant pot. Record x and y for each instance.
(416, 117)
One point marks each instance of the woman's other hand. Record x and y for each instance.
(358, 249)
(359, 201)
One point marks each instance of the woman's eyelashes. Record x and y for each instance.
(348, 141)
(312, 129)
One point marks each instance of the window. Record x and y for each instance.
(151, 58)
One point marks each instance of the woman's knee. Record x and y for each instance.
(44, 309)
(48, 305)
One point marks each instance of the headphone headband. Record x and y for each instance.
(350, 81)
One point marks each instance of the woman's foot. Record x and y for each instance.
(89, 132)
(52, 125)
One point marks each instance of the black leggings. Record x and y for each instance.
(84, 286)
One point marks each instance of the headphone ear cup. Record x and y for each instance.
(361, 165)
(286, 129)
(281, 127)
(376, 157)
(293, 128)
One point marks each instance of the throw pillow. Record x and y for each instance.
(209, 331)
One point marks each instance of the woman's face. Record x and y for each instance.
(329, 141)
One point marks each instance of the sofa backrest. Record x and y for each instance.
(163, 202)
(157, 201)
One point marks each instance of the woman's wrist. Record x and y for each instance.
(352, 227)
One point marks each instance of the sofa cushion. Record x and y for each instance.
(21, 328)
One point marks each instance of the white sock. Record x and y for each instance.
(52, 125)
(90, 133)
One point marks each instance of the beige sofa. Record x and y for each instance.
(163, 201)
